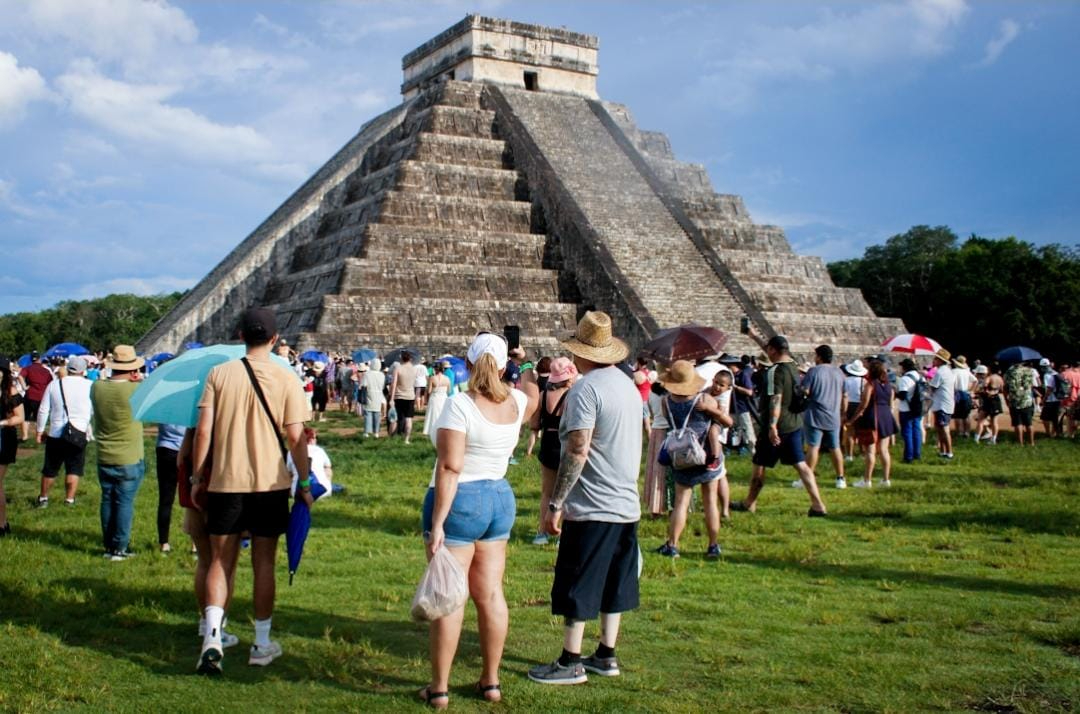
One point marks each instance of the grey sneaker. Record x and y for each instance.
(540, 539)
(555, 673)
(604, 666)
(262, 656)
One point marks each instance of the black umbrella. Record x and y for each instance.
(1017, 353)
(395, 356)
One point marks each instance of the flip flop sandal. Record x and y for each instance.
(435, 700)
(490, 692)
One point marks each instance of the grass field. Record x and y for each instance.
(958, 589)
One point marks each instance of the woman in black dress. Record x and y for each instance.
(11, 416)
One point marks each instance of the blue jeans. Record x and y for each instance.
(911, 429)
(371, 422)
(119, 484)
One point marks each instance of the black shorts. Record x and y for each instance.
(9, 445)
(990, 404)
(30, 409)
(789, 453)
(596, 569)
(1051, 411)
(60, 454)
(265, 514)
(852, 407)
(1022, 417)
(406, 408)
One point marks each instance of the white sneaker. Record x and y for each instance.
(849, 459)
(841, 482)
(262, 656)
(797, 484)
(862, 483)
(228, 639)
(887, 483)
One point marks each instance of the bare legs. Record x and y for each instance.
(574, 631)
(677, 524)
(757, 482)
(547, 484)
(71, 486)
(484, 562)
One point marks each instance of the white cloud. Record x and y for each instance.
(836, 43)
(1008, 31)
(136, 286)
(140, 112)
(19, 86)
(13, 204)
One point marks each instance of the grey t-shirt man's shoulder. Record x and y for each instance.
(607, 402)
(825, 383)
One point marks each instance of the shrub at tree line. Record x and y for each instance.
(98, 324)
(975, 297)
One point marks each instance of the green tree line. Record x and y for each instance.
(98, 324)
(974, 297)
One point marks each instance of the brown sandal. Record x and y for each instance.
(435, 700)
(490, 692)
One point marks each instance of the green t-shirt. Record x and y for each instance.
(119, 437)
(780, 379)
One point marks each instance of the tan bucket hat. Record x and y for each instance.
(124, 359)
(944, 355)
(681, 380)
(593, 340)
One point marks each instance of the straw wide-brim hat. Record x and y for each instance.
(960, 361)
(681, 379)
(944, 355)
(318, 367)
(593, 340)
(124, 359)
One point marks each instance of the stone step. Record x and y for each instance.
(409, 315)
(403, 277)
(456, 150)
(457, 180)
(429, 345)
(428, 209)
(310, 281)
(454, 121)
(844, 328)
(436, 245)
(461, 94)
(360, 185)
(356, 213)
(827, 300)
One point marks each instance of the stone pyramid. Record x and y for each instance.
(502, 191)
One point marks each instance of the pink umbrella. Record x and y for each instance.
(911, 344)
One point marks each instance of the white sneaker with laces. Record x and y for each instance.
(797, 484)
(863, 483)
(228, 639)
(841, 482)
(264, 655)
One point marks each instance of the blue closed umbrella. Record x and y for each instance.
(1017, 353)
(314, 356)
(66, 349)
(170, 395)
(364, 355)
(25, 360)
(299, 525)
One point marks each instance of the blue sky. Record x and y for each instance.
(141, 141)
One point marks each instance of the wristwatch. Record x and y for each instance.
(552, 508)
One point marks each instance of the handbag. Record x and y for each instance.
(69, 433)
(681, 444)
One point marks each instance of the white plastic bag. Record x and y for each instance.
(442, 590)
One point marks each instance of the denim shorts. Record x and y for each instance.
(481, 511)
(942, 418)
(826, 438)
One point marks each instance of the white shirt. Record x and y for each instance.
(421, 376)
(79, 409)
(319, 460)
(488, 446)
(944, 386)
(708, 370)
(962, 379)
(907, 385)
(1050, 383)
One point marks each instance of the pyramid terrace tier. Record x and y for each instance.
(419, 315)
(428, 345)
(461, 180)
(380, 279)
(453, 245)
(426, 209)
(454, 121)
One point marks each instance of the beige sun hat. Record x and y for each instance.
(593, 340)
(960, 361)
(318, 367)
(681, 379)
(124, 359)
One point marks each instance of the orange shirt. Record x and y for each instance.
(245, 453)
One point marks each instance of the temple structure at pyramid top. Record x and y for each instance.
(485, 49)
(503, 191)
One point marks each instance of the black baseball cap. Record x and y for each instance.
(258, 324)
(778, 343)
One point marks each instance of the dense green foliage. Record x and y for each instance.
(98, 324)
(974, 297)
(955, 590)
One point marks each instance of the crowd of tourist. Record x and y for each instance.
(588, 414)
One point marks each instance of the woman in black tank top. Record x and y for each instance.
(545, 421)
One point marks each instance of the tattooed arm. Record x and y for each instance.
(575, 453)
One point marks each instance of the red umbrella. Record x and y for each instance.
(690, 342)
(911, 344)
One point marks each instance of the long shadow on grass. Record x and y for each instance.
(875, 574)
(1045, 520)
(122, 621)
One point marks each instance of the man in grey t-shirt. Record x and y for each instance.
(596, 572)
(824, 382)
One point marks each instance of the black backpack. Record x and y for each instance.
(915, 399)
(1062, 387)
(800, 396)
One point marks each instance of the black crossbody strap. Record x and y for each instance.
(266, 407)
(63, 399)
